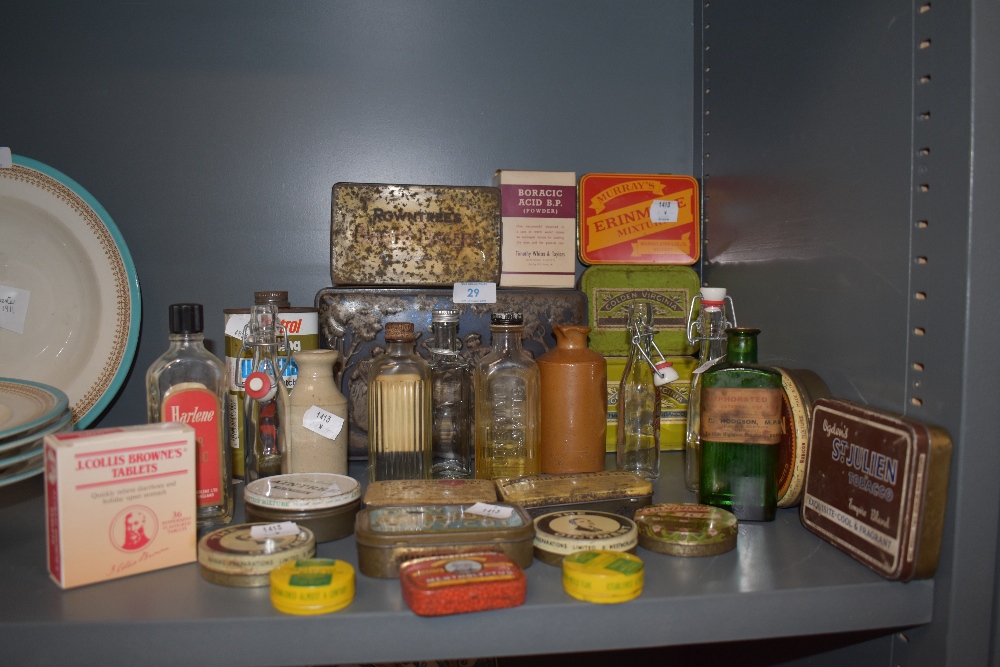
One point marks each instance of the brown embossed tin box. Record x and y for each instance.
(876, 487)
(384, 234)
(613, 491)
(429, 492)
(352, 320)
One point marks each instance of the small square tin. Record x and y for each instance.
(429, 492)
(614, 492)
(352, 320)
(609, 290)
(639, 219)
(389, 536)
(383, 234)
(673, 402)
(876, 487)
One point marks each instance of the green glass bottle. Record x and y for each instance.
(740, 430)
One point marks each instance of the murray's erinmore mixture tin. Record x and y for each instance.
(414, 234)
(638, 219)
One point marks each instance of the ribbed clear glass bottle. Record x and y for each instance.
(740, 431)
(710, 332)
(187, 383)
(265, 400)
(639, 399)
(507, 404)
(399, 409)
(451, 389)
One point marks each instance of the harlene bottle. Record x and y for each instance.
(265, 400)
(639, 399)
(188, 384)
(710, 331)
(507, 404)
(399, 409)
(740, 431)
(451, 382)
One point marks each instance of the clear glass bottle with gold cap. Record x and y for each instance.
(507, 409)
(451, 381)
(187, 383)
(399, 409)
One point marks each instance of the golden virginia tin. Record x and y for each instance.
(414, 234)
(876, 487)
(638, 219)
(673, 402)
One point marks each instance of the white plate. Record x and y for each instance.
(17, 474)
(83, 307)
(26, 406)
(63, 423)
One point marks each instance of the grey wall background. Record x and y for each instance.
(213, 132)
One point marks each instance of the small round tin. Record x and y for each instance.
(231, 556)
(686, 529)
(325, 503)
(800, 387)
(558, 534)
(312, 586)
(603, 577)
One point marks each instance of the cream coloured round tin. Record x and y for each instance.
(558, 534)
(232, 556)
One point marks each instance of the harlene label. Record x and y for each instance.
(197, 406)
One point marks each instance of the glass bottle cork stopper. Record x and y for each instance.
(401, 331)
(506, 319)
(713, 296)
(445, 315)
(664, 373)
(279, 299)
(186, 318)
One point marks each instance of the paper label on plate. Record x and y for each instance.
(494, 511)
(13, 308)
(323, 422)
(6, 160)
(274, 530)
(475, 293)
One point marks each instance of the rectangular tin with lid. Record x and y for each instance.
(383, 234)
(457, 584)
(389, 536)
(876, 487)
(352, 321)
(673, 402)
(609, 290)
(429, 492)
(639, 219)
(614, 491)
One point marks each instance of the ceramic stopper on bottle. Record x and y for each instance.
(664, 373)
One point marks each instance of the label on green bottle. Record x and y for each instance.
(747, 416)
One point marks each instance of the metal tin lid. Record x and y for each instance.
(506, 319)
(541, 490)
(686, 529)
(429, 492)
(604, 577)
(312, 586)
(800, 388)
(445, 315)
(432, 524)
(399, 331)
(234, 554)
(302, 491)
(275, 297)
(461, 583)
(583, 530)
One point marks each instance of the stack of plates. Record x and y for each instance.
(29, 411)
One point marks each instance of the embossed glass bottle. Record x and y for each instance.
(451, 388)
(187, 383)
(507, 404)
(265, 400)
(639, 399)
(710, 331)
(399, 409)
(740, 430)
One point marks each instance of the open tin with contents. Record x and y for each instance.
(614, 491)
(389, 536)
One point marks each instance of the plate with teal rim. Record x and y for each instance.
(62, 423)
(27, 406)
(16, 474)
(71, 289)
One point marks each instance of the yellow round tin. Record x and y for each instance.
(603, 577)
(312, 586)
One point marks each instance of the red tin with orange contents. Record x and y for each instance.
(638, 219)
(461, 583)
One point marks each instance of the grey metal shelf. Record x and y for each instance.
(780, 581)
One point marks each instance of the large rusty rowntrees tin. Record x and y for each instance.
(429, 235)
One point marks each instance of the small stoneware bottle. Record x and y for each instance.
(574, 404)
(317, 417)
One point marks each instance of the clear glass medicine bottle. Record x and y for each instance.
(451, 389)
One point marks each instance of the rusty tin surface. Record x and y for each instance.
(352, 322)
(384, 234)
(389, 536)
(876, 487)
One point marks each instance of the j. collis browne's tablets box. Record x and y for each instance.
(119, 501)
